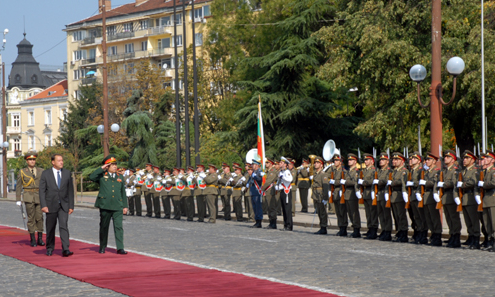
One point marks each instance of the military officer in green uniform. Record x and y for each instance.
(147, 189)
(188, 193)
(368, 195)
(111, 201)
(224, 183)
(399, 195)
(303, 184)
(211, 192)
(177, 187)
(351, 200)
(269, 189)
(134, 197)
(28, 183)
(293, 189)
(319, 188)
(200, 196)
(165, 194)
(384, 213)
(157, 188)
(247, 193)
(237, 183)
(431, 199)
(488, 185)
(452, 217)
(340, 208)
(421, 229)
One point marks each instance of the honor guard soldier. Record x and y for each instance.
(134, 198)
(269, 190)
(351, 200)
(111, 201)
(200, 196)
(157, 188)
(238, 183)
(293, 188)
(303, 184)
(452, 217)
(147, 189)
(366, 184)
(177, 187)
(320, 188)
(431, 198)
(247, 193)
(165, 193)
(340, 208)
(234, 165)
(421, 229)
(283, 186)
(488, 186)
(384, 212)
(188, 193)
(469, 204)
(211, 192)
(254, 185)
(483, 165)
(224, 184)
(28, 186)
(399, 195)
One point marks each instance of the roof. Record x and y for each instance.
(131, 8)
(57, 90)
(53, 77)
(25, 71)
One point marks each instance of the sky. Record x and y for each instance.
(45, 20)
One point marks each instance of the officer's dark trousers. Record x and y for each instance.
(286, 204)
(256, 201)
(105, 217)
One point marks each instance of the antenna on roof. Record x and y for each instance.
(24, 17)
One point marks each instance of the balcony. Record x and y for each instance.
(125, 56)
(88, 81)
(88, 61)
(161, 52)
(122, 35)
(13, 130)
(160, 30)
(88, 40)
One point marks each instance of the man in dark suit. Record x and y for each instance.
(57, 201)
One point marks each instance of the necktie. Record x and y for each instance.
(58, 179)
(32, 171)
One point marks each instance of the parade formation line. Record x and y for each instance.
(136, 274)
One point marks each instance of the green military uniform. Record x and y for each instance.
(303, 184)
(418, 212)
(238, 182)
(178, 185)
(432, 214)
(351, 201)
(165, 194)
(489, 200)
(293, 189)
(156, 190)
(399, 198)
(319, 190)
(134, 195)
(148, 191)
(200, 196)
(247, 200)
(224, 184)
(188, 194)
(28, 183)
(271, 197)
(111, 201)
(366, 183)
(469, 205)
(384, 213)
(211, 192)
(452, 217)
(340, 208)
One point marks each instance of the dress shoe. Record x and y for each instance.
(121, 252)
(228, 219)
(304, 210)
(49, 252)
(343, 233)
(33, 239)
(323, 230)
(101, 251)
(40, 239)
(148, 215)
(456, 242)
(436, 239)
(167, 217)
(67, 253)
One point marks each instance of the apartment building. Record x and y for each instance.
(140, 30)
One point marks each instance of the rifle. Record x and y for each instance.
(361, 189)
(409, 190)
(388, 204)
(342, 199)
(439, 203)
(376, 189)
(420, 204)
(482, 191)
(459, 207)
(332, 188)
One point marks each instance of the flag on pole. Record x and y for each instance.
(261, 137)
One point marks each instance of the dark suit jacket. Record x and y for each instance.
(50, 194)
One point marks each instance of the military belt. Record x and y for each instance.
(303, 179)
(32, 190)
(467, 191)
(237, 188)
(490, 192)
(293, 184)
(210, 186)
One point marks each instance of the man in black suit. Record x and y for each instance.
(57, 201)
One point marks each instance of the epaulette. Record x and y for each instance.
(437, 169)
(106, 173)
(404, 168)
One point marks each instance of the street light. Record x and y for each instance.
(4, 116)
(101, 129)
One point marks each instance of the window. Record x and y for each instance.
(76, 74)
(167, 84)
(48, 116)
(78, 55)
(129, 68)
(16, 120)
(166, 21)
(17, 145)
(63, 112)
(206, 10)
(167, 62)
(129, 48)
(78, 35)
(178, 38)
(198, 39)
(143, 24)
(31, 143)
(92, 53)
(144, 45)
(128, 27)
(178, 18)
(31, 118)
(77, 94)
(111, 30)
(163, 43)
(48, 140)
(112, 51)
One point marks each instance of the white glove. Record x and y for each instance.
(324, 202)
(234, 175)
(276, 188)
(440, 184)
(149, 176)
(262, 173)
(311, 177)
(135, 181)
(231, 179)
(329, 193)
(127, 181)
(19, 203)
(202, 174)
(360, 181)
(375, 181)
(181, 175)
(459, 184)
(478, 199)
(358, 194)
(480, 184)
(191, 174)
(159, 178)
(342, 182)
(422, 182)
(372, 195)
(219, 176)
(389, 182)
(409, 184)
(243, 188)
(457, 200)
(418, 196)
(340, 193)
(332, 182)
(436, 197)
(243, 178)
(280, 174)
(307, 169)
(386, 197)
(405, 196)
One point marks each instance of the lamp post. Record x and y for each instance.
(418, 74)
(101, 129)
(4, 145)
(4, 116)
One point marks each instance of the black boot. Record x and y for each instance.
(456, 242)
(344, 232)
(323, 230)
(487, 244)
(273, 225)
(469, 241)
(257, 224)
(475, 245)
(340, 232)
(415, 236)
(367, 233)
(33, 239)
(356, 233)
(404, 237)
(371, 234)
(451, 239)
(398, 236)
(40, 239)
(382, 234)
(484, 244)
(424, 237)
(388, 236)
(436, 239)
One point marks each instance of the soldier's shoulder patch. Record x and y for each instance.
(325, 178)
(357, 169)
(437, 169)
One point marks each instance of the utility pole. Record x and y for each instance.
(106, 148)
(197, 158)
(4, 132)
(186, 91)
(176, 87)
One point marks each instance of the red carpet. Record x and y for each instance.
(138, 275)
